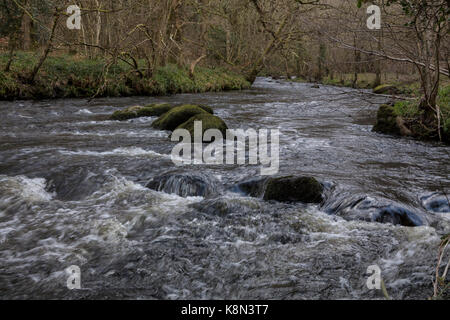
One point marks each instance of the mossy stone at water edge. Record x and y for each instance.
(177, 116)
(294, 189)
(387, 121)
(208, 122)
(152, 110)
(385, 89)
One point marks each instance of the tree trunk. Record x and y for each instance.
(256, 68)
(46, 51)
(356, 67)
(321, 61)
(26, 32)
(12, 49)
(194, 64)
(429, 45)
(377, 81)
(98, 27)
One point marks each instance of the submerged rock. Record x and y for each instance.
(364, 208)
(397, 216)
(153, 110)
(224, 206)
(177, 116)
(294, 189)
(436, 202)
(252, 188)
(185, 184)
(208, 122)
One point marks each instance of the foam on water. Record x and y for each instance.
(130, 151)
(124, 133)
(84, 111)
(30, 190)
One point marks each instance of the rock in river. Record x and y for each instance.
(252, 188)
(152, 110)
(397, 216)
(385, 89)
(177, 116)
(185, 184)
(208, 122)
(387, 121)
(294, 189)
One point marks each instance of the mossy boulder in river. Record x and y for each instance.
(208, 122)
(294, 189)
(155, 110)
(126, 114)
(177, 116)
(387, 121)
(152, 110)
(206, 108)
(385, 89)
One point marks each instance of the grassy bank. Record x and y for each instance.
(66, 76)
(410, 113)
(404, 118)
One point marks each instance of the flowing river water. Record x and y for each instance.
(72, 192)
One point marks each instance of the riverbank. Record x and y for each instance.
(407, 85)
(67, 76)
(402, 117)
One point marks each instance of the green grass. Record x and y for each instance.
(65, 76)
(409, 110)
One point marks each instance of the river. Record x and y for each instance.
(72, 192)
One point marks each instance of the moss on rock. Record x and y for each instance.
(294, 189)
(387, 121)
(208, 122)
(385, 89)
(206, 108)
(177, 116)
(126, 114)
(152, 110)
(252, 188)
